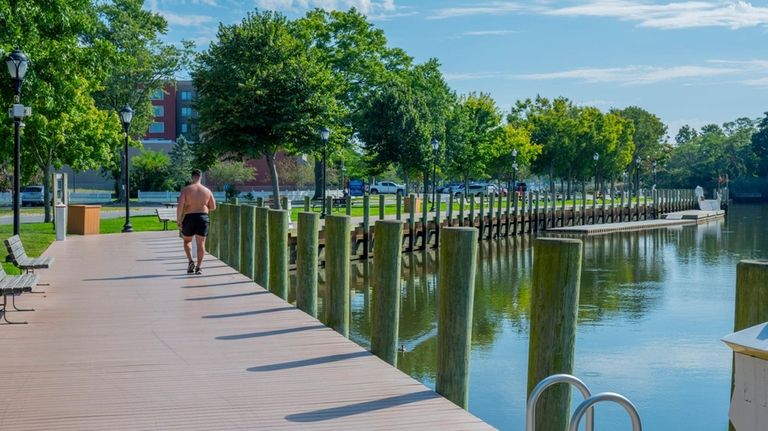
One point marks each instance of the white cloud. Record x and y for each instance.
(180, 20)
(364, 6)
(689, 14)
(469, 76)
(489, 33)
(734, 14)
(490, 8)
(630, 75)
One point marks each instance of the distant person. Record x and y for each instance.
(195, 201)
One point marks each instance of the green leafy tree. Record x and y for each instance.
(358, 56)
(69, 64)
(650, 132)
(151, 171)
(140, 65)
(261, 90)
(226, 175)
(760, 146)
(182, 158)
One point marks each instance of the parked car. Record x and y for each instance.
(387, 187)
(32, 195)
(449, 188)
(476, 189)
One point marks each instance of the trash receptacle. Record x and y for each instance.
(61, 222)
(83, 219)
(416, 205)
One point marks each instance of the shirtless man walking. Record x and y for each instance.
(195, 201)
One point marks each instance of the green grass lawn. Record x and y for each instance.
(38, 236)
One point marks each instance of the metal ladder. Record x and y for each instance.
(585, 408)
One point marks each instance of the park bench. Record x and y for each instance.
(21, 260)
(165, 215)
(337, 203)
(14, 285)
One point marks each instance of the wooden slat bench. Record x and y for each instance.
(165, 215)
(21, 260)
(14, 285)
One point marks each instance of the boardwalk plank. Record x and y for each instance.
(124, 339)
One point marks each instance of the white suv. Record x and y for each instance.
(387, 187)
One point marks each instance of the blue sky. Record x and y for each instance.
(689, 62)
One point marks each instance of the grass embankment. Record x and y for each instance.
(38, 236)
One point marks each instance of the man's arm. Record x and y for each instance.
(180, 207)
(211, 203)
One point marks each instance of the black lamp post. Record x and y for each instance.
(435, 152)
(126, 115)
(637, 178)
(17, 63)
(324, 134)
(595, 157)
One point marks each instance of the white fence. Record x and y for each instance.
(169, 197)
(6, 198)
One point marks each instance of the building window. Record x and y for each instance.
(159, 111)
(186, 95)
(157, 128)
(186, 111)
(157, 95)
(184, 128)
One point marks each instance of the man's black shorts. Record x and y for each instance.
(195, 224)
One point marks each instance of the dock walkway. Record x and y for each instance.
(125, 339)
(670, 219)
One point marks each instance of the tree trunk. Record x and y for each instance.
(273, 177)
(318, 178)
(46, 193)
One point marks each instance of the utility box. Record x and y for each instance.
(83, 219)
(416, 205)
(749, 401)
(61, 222)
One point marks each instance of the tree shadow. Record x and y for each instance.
(309, 362)
(271, 333)
(360, 408)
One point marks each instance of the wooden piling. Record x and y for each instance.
(751, 293)
(248, 239)
(337, 256)
(481, 221)
(261, 250)
(411, 224)
(438, 204)
(399, 205)
(514, 216)
(456, 287)
(536, 216)
(234, 237)
(381, 207)
(328, 205)
(522, 212)
(471, 211)
(349, 205)
(554, 311)
(461, 209)
(212, 245)
(307, 207)
(449, 212)
(491, 201)
(278, 253)
(386, 290)
(366, 226)
(308, 226)
(259, 201)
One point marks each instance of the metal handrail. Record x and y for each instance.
(588, 404)
(530, 411)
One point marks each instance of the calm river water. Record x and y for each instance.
(653, 308)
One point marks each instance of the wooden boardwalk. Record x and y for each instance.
(125, 339)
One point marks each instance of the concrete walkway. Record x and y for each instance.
(125, 339)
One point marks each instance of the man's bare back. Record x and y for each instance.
(195, 199)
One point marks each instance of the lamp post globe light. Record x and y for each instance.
(435, 153)
(18, 64)
(126, 115)
(325, 133)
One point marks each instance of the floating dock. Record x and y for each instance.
(666, 220)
